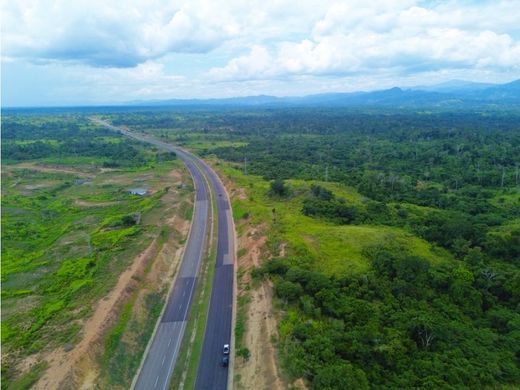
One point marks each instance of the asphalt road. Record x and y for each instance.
(211, 374)
(159, 362)
(162, 354)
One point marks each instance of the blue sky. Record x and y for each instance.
(66, 52)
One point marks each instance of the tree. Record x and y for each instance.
(341, 375)
(288, 290)
(279, 188)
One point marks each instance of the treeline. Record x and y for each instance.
(453, 230)
(55, 127)
(385, 165)
(119, 153)
(404, 324)
(34, 138)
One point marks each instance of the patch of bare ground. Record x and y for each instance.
(260, 371)
(83, 203)
(48, 168)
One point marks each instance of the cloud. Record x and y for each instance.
(320, 37)
(111, 34)
(353, 38)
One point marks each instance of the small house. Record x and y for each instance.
(138, 191)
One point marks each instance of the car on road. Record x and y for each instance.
(225, 350)
(225, 361)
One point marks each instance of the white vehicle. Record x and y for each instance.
(225, 350)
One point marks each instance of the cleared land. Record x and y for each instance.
(86, 265)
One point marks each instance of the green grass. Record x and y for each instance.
(196, 146)
(114, 337)
(26, 381)
(334, 249)
(243, 301)
(507, 199)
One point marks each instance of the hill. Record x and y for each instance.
(458, 94)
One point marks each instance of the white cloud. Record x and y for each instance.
(115, 33)
(354, 38)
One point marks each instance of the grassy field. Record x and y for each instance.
(331, 248)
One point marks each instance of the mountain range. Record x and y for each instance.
(455, 93)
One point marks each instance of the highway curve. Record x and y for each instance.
(162, 353)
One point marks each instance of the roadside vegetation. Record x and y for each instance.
(400, 234)
(70, 227)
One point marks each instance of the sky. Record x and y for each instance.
(84, 52)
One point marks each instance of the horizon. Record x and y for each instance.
(153, 102)
(111, 54)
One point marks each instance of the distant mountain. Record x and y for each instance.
(455, 93)
(454, 86)
(499, 94)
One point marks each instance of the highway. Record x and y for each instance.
(162, 353)
(210, 374)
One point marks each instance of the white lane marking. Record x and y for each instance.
(184, 293)
(156, 380)
(164, 357)
(182, 323)
(169, 342)
(175, 350)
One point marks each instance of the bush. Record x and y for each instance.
(244, 353)
(341, 375)
(288, 290)
(334, 210)
(278, 188)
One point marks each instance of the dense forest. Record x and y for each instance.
(450, 178)
(30, 138)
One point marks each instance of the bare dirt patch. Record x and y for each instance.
(260, 371)
(239, 193)
(54, 169)
(83, 203)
